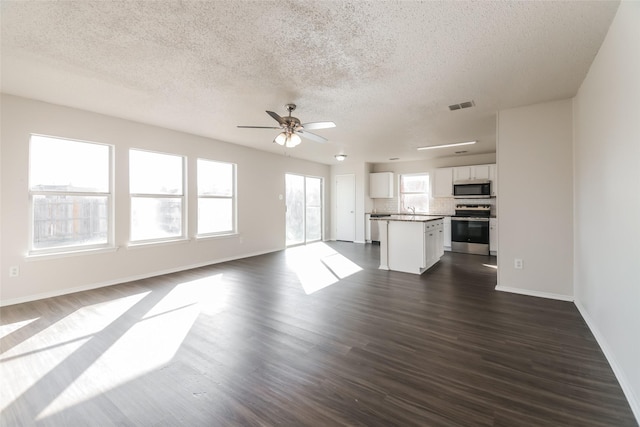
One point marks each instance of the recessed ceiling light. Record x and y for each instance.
(429, 147)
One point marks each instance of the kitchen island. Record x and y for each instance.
(410, 243)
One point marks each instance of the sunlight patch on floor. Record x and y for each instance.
(154, 334)
(318, 266)
(66, 336)
(208, 295)
(12, 327)
(341, 266)
(490, 266)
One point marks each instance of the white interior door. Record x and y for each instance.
(346, 207)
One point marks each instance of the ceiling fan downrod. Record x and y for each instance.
(290, 108)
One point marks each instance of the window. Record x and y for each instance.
(156, 187)
(216, 197)
(70, 194)
(414, 192)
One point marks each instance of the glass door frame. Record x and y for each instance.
(305, 233)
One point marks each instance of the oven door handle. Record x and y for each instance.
(470, 219)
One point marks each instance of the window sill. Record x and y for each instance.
(35, 256)
(203, 237)
(146, 244)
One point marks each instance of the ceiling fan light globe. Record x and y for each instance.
(281, 139)
(293, 140)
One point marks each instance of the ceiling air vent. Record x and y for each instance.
(461, 105)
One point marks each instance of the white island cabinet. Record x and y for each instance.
(410, 243)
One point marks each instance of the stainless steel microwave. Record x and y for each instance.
(472, 189)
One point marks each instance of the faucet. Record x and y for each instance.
(412, 209)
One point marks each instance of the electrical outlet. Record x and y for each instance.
(518, 263)
(14, 271)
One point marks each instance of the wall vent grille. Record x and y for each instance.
(462, 105)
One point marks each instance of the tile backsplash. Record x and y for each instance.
(385, 205)
(440, 205)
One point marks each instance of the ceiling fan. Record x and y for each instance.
(292, 129)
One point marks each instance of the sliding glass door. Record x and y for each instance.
(304, 209)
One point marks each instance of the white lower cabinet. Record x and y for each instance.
(367, 228)
(433, 243)
(493, 236)
(446, 231)
(440, 244)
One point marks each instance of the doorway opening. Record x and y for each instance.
(304, 209)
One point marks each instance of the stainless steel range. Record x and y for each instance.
(470, 229)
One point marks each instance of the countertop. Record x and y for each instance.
(408, 213)
(409, 217)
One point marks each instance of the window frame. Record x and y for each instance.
(427, 192)
(233, 198)
(110, 210)
(183, 196)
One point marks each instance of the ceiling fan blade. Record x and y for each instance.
(311, 136)
(259, 127)
(277, 117)
(318, 125)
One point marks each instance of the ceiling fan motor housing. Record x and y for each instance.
(292, 122)
(291, 125)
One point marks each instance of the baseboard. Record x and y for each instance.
(88, 287)
(625, 384)
(531, 293)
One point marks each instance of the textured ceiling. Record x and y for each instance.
(384, 72)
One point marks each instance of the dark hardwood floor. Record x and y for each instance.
(242, 344)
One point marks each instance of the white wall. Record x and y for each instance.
(261, 219)
(607, 199)
(535, 203)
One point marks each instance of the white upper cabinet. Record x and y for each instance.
(481, 172)
(381, 185)
(443, 183)
(463, 173)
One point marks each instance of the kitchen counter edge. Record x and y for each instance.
(409, 218)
